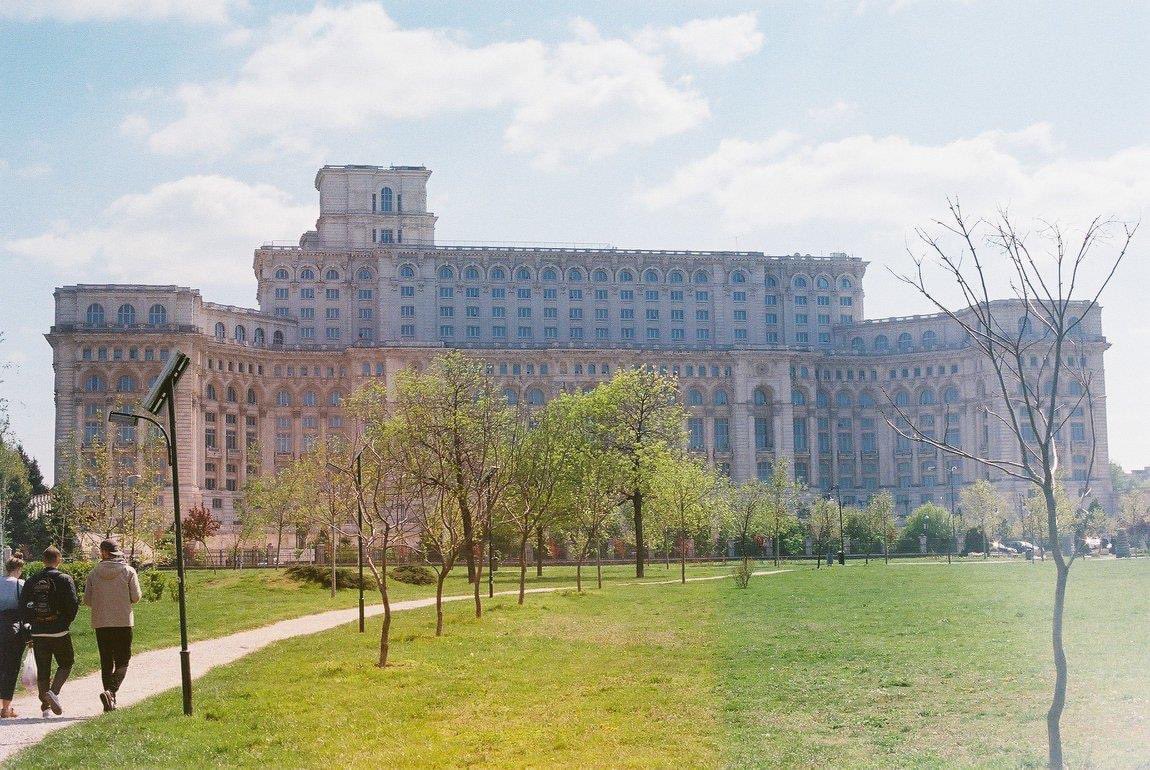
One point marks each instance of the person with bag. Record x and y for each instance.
(50, 605)
(13, 633)
(112, 588)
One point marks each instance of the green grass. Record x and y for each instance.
(912, 665)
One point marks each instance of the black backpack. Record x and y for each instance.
(43, 607)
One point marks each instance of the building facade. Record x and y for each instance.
(773, 353)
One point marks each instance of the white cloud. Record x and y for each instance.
(198, 231)
(709, 41)
(196, 11)
(892, 182)
(353, 69)
(837, 112)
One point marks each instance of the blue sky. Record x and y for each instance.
(162, 141)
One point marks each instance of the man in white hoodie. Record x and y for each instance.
(112, 588)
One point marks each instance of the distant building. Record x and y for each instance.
(773, 352)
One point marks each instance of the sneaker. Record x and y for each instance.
(45, 714)
(54, 702)
(106, 699)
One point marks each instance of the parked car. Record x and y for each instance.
(1001, 548)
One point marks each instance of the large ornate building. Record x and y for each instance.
(773, 353)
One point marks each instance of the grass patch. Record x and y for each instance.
(913, 666)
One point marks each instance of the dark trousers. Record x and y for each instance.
(45, 648)
(11, 656)
(115, 646)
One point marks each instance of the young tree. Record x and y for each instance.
(748, 510)
(782, 494)
(199, 524)
(682, 493)
(982, 503)
(637, 416)
(823, 524)
(1029, 346)
(880, 516)
(15, 488)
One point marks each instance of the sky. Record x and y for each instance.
(162, 141)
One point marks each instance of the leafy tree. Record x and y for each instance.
(782, 503)
(880, 517)
(199, 524)
(683, 494)
(932, 519)
(15, 489)
(747, 514)
(823, 526)
(637, 416)
(982, 503)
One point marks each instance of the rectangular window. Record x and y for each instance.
(550, 294)
(281, 293)
(281, 312)
(846, 301)
(471, 292)
(523, 293)
(824, 319)
(652, 314)
(800, 319)
(446, 330)
(764, 436)
(407, 291)
(740, 334)
(523, 312)
(824, 301)
(472, 332)
(498, 311)
(446, 311)
(307, 293)
(523, 332)
(652, 333)
(365, 294)
(677, 314)
(802, 338)
(576, 314)
(472, 311)
(676, 295)
(740, 315)
(366, 313)
(407, 330)
(407, 311)
(499, 332)
(332, 333)
(366, 332)
(651, 295)
(307, 332)
(678, 334)
(739, 296)
(601, 333)
(627, 314)
(772, 338)
(600, 295)
(627, 295)
(702, 315)
(702, 296)
(331, 314)
(576, 332)
(446, 292)
(331, 293)
(575, 294)
(551, 332)
(702, 334)
(600, 314)
(722, 434)
(307, 313)
(695, 434)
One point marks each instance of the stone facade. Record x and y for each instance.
(773, 353)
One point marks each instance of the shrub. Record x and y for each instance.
(79, 571)
(413, 574)
(321, 576)
(152, 584)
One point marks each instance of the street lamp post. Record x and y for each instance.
(842, 540)
(164, 392)
(950, 471)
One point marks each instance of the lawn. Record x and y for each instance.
(221, 602)
(909, 665)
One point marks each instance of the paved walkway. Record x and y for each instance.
(155, 671)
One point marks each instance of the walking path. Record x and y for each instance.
(155, 671)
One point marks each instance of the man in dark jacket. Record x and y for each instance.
(51, 605)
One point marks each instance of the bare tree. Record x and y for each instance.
(1032, 345)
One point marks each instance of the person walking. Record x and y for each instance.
(50, 605)
(112, 588)
(13, 638)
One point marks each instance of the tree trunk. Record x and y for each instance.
(385, 633)
(1058, 701)
(579, 575)
(522, 565)
(599, 565)
(439, 603)
(475, 585)
(468, 540)
(332, 561)
(683, 564)
(776, 544)
(539, 551)
(637, 502)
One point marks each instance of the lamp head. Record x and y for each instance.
(125, 416)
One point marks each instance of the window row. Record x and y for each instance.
(126, 315)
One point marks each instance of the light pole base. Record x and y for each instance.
(186, 680)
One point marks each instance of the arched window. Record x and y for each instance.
(241, 334)
(760, 397)
(772, 282)
(331, 275)
(798, 397)
(929, 340)
(283, 398)
(523, 274)
(511, 396)
(800, 282)
(822, 399)
(277, 337)
(210, 392)
(575, 275)
(446, 273)
(822, 282)
(309, 398)
(902, 398)
(601, 276)
(675, 277)
(385, 199)
(157, 315)
(549, 274)
(700, 277)
(881, 343)
(535, 397)
(127, 384)
(950, 395)
(694, 398)
(845, 283)
(307, 274)
(843, 399)
(364, 274)
(95, 384)
(406, 271)
(857, 345)
(720, 397)
(866, 400)
(252, 396)
(282, 274)
(471, 273)
(95, 315)
(221, 331)
(335, 398)
(126, 315)
(738, 277)
(230, 395)
(926, 397)
(258, 336)
(498, 274)
(904, 341)
(626, 276)
(650, 276)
